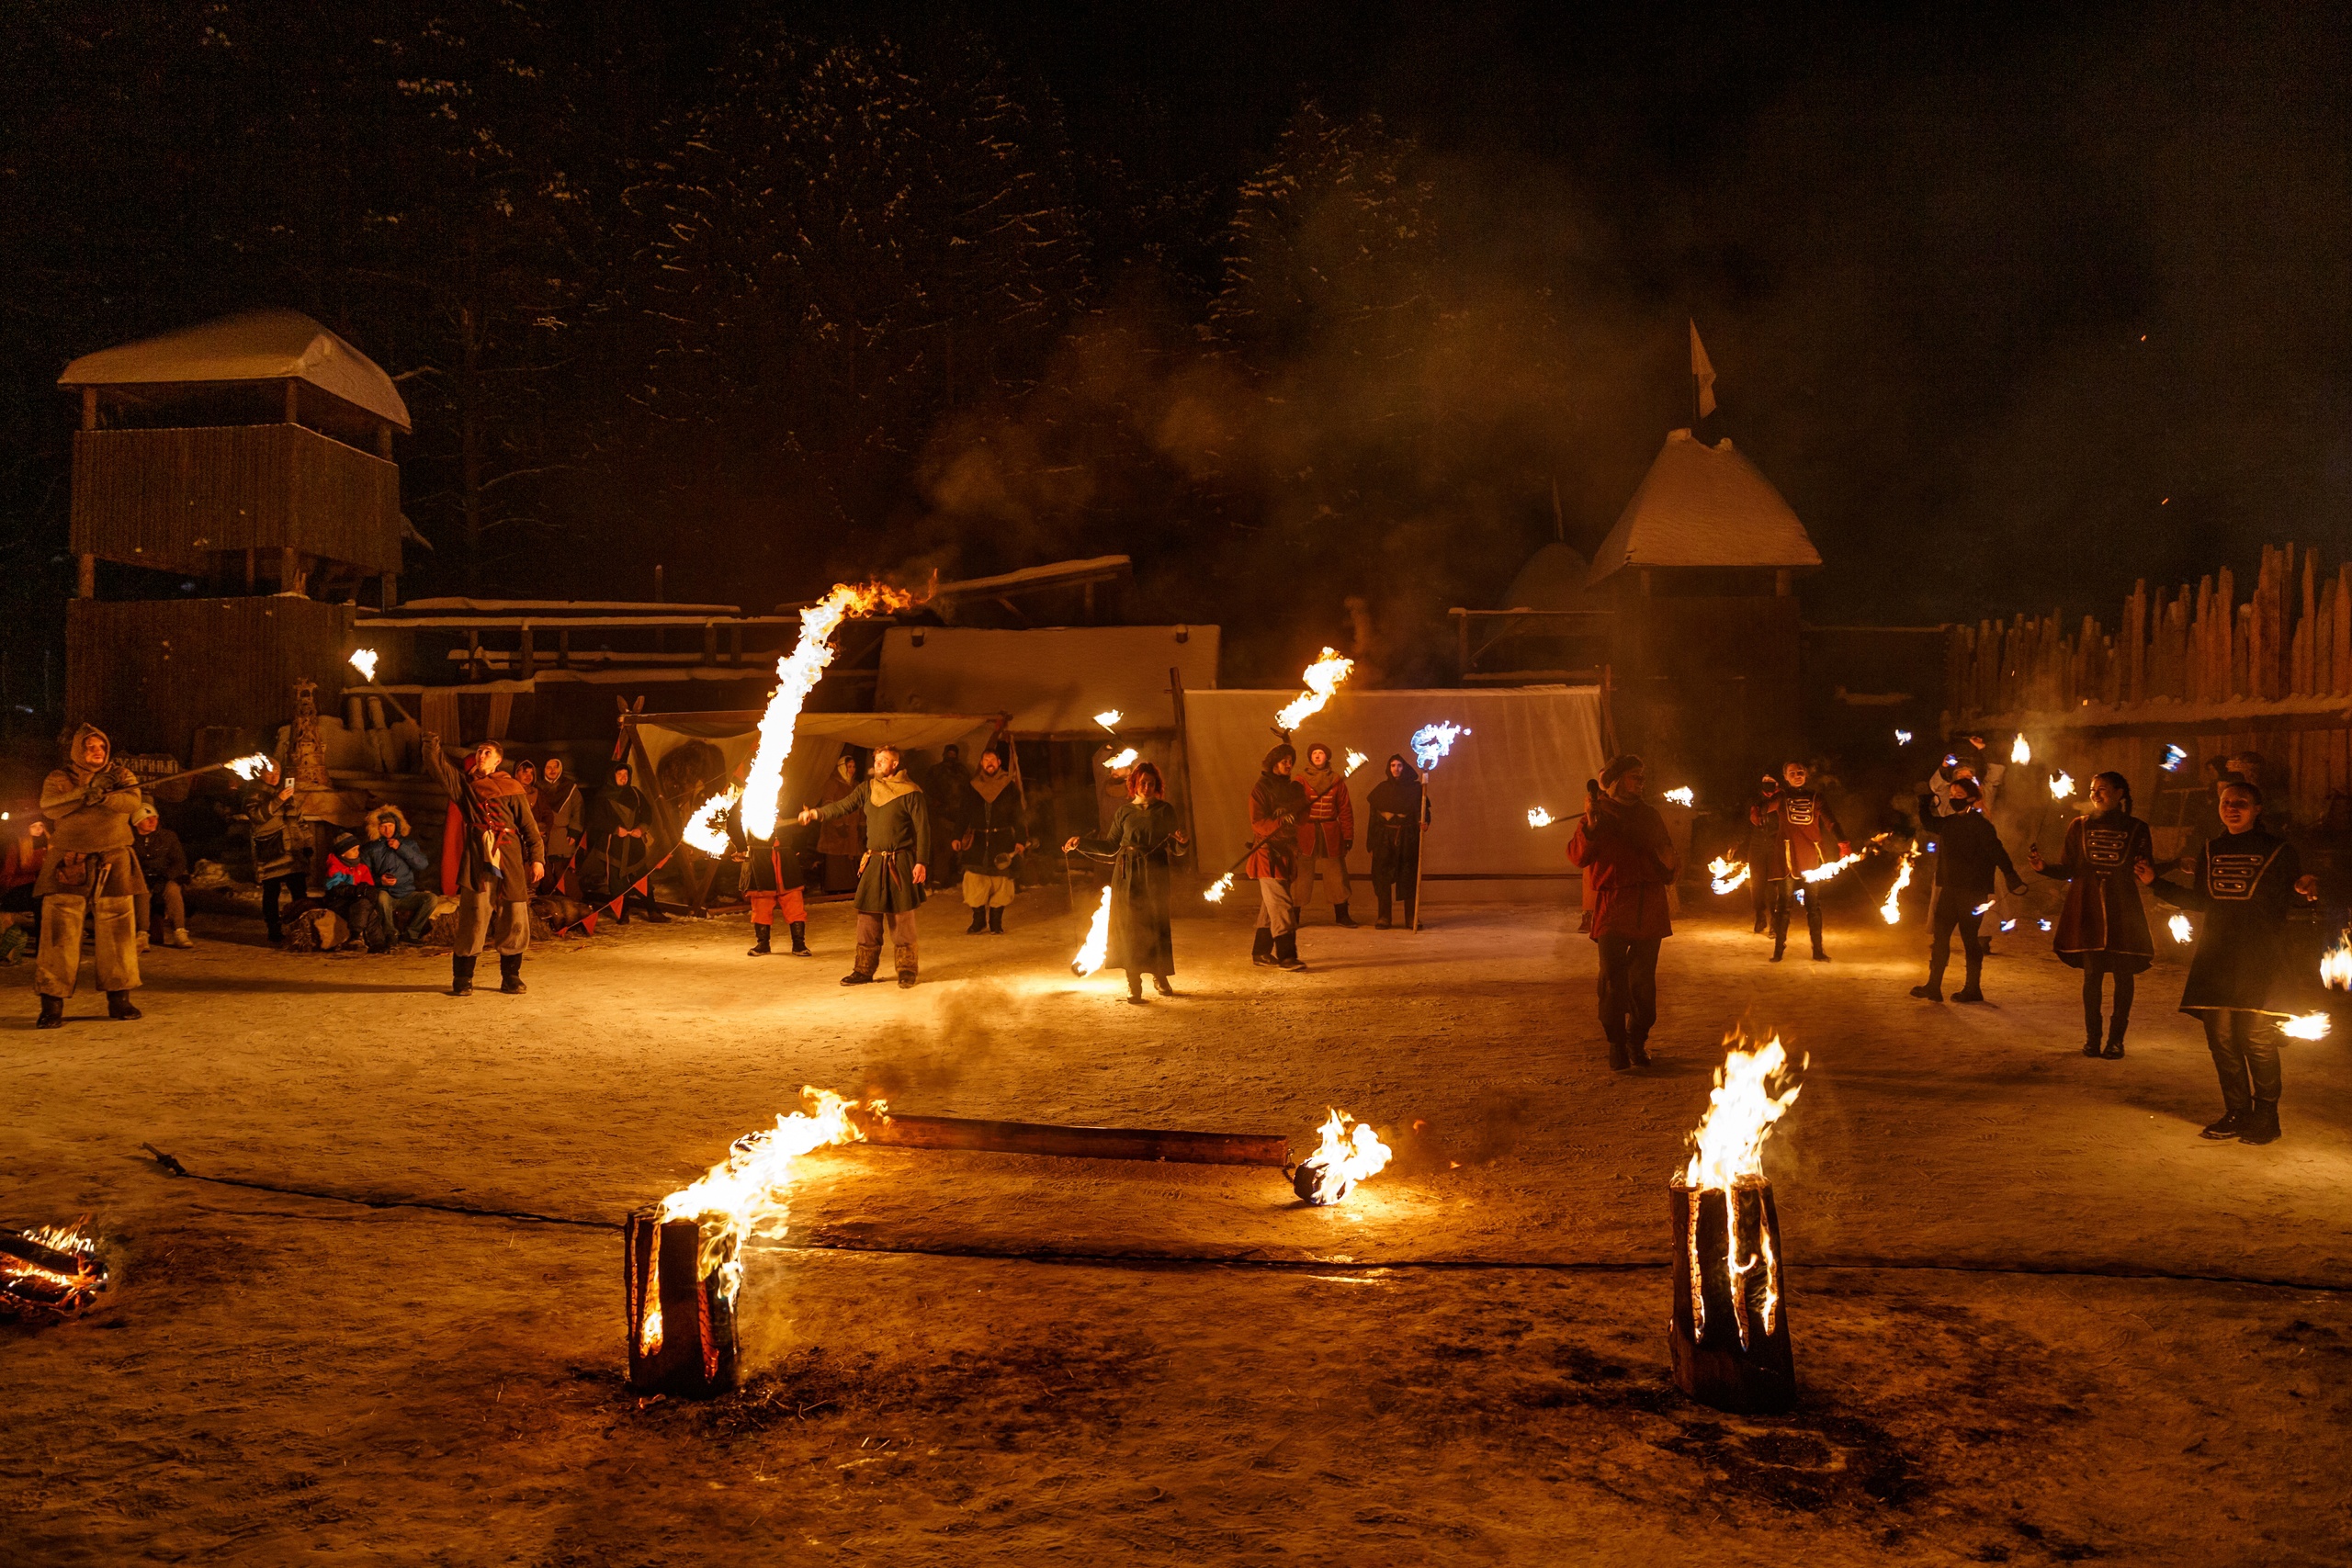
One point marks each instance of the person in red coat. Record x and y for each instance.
(1326, 833)
(1628, 861)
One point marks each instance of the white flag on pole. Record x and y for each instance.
(1703, 373)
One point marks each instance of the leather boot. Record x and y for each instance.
(760, 935)
(2230, 1124)
(1286, 952)
(1339, 916)
(1134, 987)
(1618, 1060)
(1380, 920)
(800, 939)
(2262, 1123)
(510, 974)
(53, 1013)
(868, 958)
(1637, 1048)
(118, 1005)
(461, 974)
(996, 920)
(2115, 1043)
(1261, 947)
(903, 955)
(980, 920)
(1780, 937)
(1405, 914)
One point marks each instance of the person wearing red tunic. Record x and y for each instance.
(1804, 830)
(1629, 863)
(2103, 929)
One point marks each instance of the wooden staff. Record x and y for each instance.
(1420, 848)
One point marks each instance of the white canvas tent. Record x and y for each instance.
(816, 739)
(1526, 746)
(1052, 681)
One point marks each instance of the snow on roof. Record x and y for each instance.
(1702, 505)
(252, 345)
(1552, 578)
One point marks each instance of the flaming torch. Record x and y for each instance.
(1730, 1332)
(1097, 941)
(1892, 911)
(2182, 932)
(707, 831)
(2020, 752)
(1730, 876)
(1124, 758)
(2307, 1026)
(1321, 678)
(1109, 718)
(1355, 759)
(682, 1261)
(797, 674)
(2063, 785)
(1431, 745)
(364, 660)
(1345, 1157)
(1218, 890)
(1538, 818)
(53, 1269)
(2335, 965)
(1682, 796)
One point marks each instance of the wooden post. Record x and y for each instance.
(1420, 851)
(289, 566)
(85, 576)
(1074, 1143)
(390, 584)
(384, 441)
(1183, 762)
(89, 408)
(293, 402)
(525, 654)
(1461, 642)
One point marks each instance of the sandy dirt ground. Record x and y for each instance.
(2035, 1316)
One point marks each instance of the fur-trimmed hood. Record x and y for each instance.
(389, 813)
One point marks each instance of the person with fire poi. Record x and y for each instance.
(1804, 834)
(994, 819)
(1396, 841)
(891, 878)
(1326, 833)
(500, 860)
(1277, 806)
(1968, 851)
(1629, 863)
(1763, 851)
(280, 840)
(1139, 843)
(620, 847)
(2103, 929)
(2247, 878)
(773, 878)
(91, 871)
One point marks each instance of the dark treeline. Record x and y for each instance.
(768, 295)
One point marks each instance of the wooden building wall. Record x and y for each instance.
(151, 672)
(178, 499)
(1706, 686)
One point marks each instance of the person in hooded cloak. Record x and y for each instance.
(1395, 804)
(620, 846)
(559, 811)
(500, 860)
(92, 871)
(1140, 841)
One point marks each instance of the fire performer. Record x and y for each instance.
(1326, 833)
(891, 876)
(2103, 929)
(2247, 878)
(1276, 805)
(501, 858)
(1139, 843)
(772, 880)
(1628, 861)
(91, 870)
(1804, 830)
(994, 819)
(1396, 807)
(1968, 851)
(281, 843)
(1763, 851)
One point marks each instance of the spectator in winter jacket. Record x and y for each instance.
(1629, 863)
(164, 863)
(398, 862)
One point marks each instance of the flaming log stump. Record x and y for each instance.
(681, 1325)
(1730, 1330)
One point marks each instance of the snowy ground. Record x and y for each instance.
(1179, 1365)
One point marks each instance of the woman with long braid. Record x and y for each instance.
(2103, 929)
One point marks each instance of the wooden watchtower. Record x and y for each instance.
(236, 480)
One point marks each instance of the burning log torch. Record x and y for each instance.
(1729, 1334)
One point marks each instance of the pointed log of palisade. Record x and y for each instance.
(1730, 1330)
(681, 1325)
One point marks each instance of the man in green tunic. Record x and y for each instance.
(892, 875)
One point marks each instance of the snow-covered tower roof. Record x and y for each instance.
(1703, 506)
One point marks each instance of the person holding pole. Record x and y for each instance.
(1396, 807)
(1277, 804)
(1629, 863)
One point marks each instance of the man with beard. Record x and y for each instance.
(1326, 832)
(896, 864)
(1804, 830)
(993, 816)
(91, 871)
(1628, 861)
(500, 860)
(1396, 807)
(1277, 806)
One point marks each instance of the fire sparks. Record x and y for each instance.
(53, 1269)
(796, 674)
(1109, 718)
(1824, 873)
(2336, 965)
(1097, 941)
(1683, 797)
(1216, 890)
(1538, 818)
(1892, 911)
(364, 660)
(248, 768)
(2308, 1026)
(1729, 876)
(2020, 752)
(1125, 759)
(1753, 1091)
(2174, 757)
(2063, 785)
(1902, 737)
(1321, 678)
(2181, 930)
(1432, 742)
(743, 1195)
(707, 831)
(1355, 759)
(1350, 1152)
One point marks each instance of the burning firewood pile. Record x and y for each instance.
(52, 1271)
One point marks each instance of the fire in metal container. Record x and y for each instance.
(1350, 1151)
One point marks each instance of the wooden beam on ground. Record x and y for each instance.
(1074, 1143)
